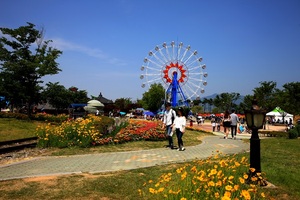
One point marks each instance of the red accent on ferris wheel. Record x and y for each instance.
(177, 67)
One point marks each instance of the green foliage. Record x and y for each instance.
(288, 98)
(14, 115)
(225, 101)
(274, 133)
(153, 98)
(118, 129)
(197, 109)
(297, 127)
(80, 133)
(104, 124)
(22, 67)
(293, 133)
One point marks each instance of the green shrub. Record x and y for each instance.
(293, 133)
(14, 115)
(274, 133)
(297, 127)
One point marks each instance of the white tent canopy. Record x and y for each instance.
(94, 106)
(278, 114)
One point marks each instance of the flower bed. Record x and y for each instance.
(89, 132)
(136, 130)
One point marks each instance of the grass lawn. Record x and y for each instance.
(12, 129)
(279, 159)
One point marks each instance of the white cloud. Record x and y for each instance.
(64, 45)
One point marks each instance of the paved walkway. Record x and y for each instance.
(108, 162)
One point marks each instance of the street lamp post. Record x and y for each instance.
(255, 119)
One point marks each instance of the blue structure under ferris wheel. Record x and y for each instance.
(178, 69)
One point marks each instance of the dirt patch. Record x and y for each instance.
(22, 155)
(44, 179)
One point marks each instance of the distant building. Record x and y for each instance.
(104, 100)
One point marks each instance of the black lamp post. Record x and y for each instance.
(255, 119)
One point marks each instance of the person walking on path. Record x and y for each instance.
(234, 121)
(179, 125)
(213, 123)
(168, 119)
(226, 124)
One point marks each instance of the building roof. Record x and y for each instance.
(103, 99)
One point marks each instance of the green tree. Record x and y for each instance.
(23, 64)
(247, 103)
(60, 98)
(124, 104)
(56, 95)
(77, 96)
(197, 101)
(288, 98)
(152, 99)
(226, 101)
(265, 94)
(197, 109)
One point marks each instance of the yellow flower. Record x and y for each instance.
(252, 170)
(226, 198)
(211, 183)
(151, 190)
(246, 194)
(236, 187)
(263, 195)
(245, 176)
(237, 164)
(227, 194)
(194, 169)
(140, 192)
(182, 198)
(228, 187)
(219, 183)
(183, 176)
(217, 195)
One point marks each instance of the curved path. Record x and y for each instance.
(108, 162)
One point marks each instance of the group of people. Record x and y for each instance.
(230, 122)
(174, 122)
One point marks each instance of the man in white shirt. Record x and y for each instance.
(234, 121)
(169, 116)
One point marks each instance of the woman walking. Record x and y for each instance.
(179, 125)
(226, 124)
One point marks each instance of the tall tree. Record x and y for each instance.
(288, 98)
(24, 59)
(123, 104)
(60, 98)
(152, 99)
(226, 101)
(56, 95)
(265, 94)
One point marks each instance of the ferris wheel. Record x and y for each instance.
(178, 69)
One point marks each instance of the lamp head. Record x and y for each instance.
(255, 118)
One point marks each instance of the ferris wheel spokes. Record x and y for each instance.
(168, 59)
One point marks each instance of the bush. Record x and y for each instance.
(274, 133)
(14, 115)
(293, 133)
(297, 127)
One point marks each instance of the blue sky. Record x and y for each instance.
(104, 43)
